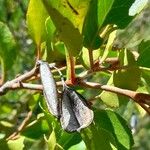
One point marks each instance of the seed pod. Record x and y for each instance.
(75, 112)
(49, 88)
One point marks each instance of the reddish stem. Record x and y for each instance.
(71, 79)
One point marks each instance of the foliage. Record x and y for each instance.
(94, 43)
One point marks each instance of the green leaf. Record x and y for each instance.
(134, 33)
(36, 129)
(119, 13)
(50, 29)
(73, 10)
(16, 144)
(52, 143)
(66, 140)
(93, 21)
(124, 78)
(84, 57)
(66, 30)
(52, 50)
(102, 13)
(78, 146)
(112, 99)
(144, 50)
(117, 126)
(3, 144)
(34, 101)
(7, 48)
(108, 46)
(146, 75)
(36, 17)
(96, 137)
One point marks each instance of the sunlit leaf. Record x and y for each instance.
(144, 50)
(36, 17)
(81, 145)
(95, 137)
(16, 144)
(84, 57)
(112, 99)
(64, 27)
(93, 21)
(52, 141)
(117, 126)
(123, 78)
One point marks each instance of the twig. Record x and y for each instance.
(21, 78)
(17, 83)
(21, 127)
(147, 109)
(15, 86)
(101, 68)
(139, 98)
(109, 88)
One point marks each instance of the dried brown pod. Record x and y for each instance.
(75, 111)
(49, 88)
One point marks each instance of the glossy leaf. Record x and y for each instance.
(115, 12)
(17, 144)
(73, 10)
(52, 143)
(81, 145)
(36, 17)
(64, 27)
(96, 137)
(50, 29)
(108, 46)
(93, 21)
(144, 50)
(119, 13)
(67, 139)
(116, 125)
